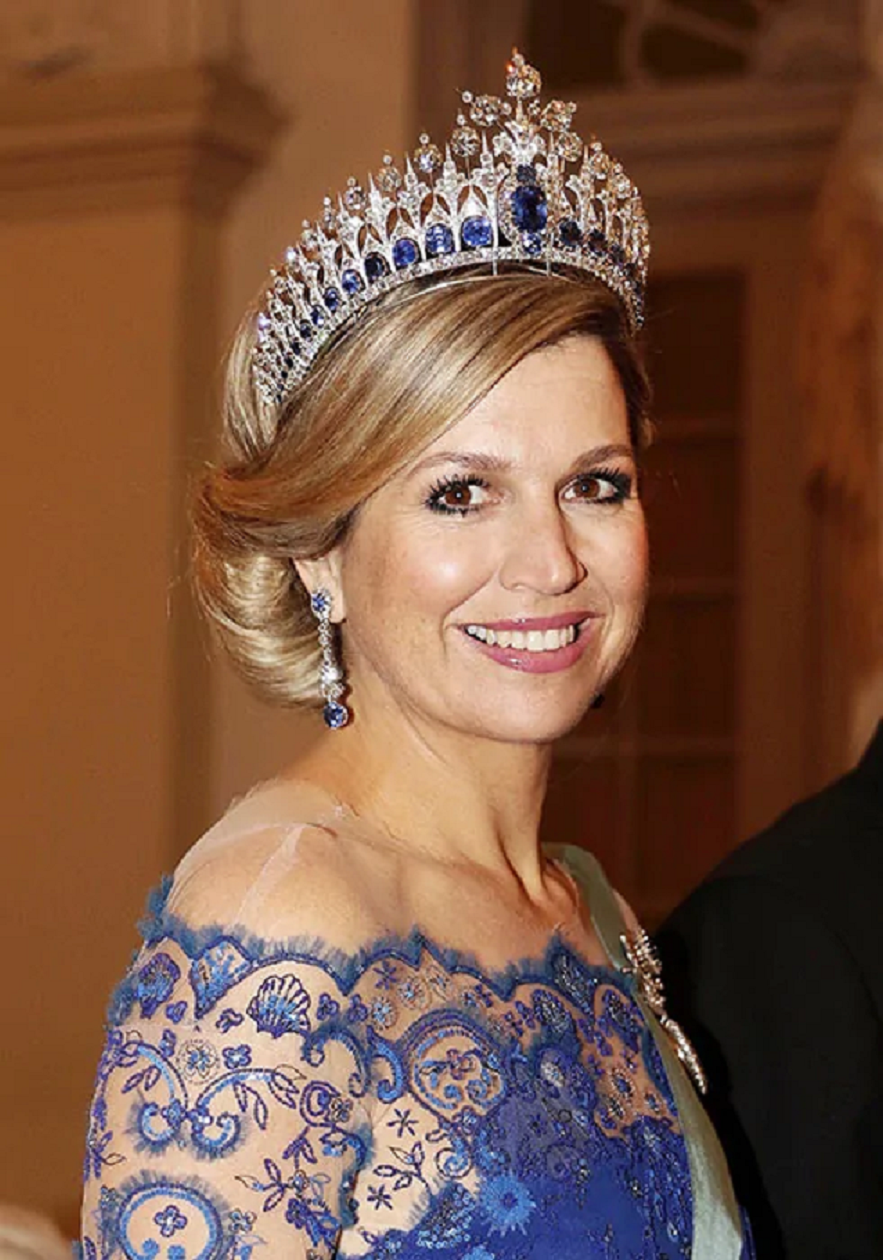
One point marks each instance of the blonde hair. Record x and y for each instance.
(290, 482)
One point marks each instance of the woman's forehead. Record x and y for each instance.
(559, 392)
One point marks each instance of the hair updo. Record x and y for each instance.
(291, 479)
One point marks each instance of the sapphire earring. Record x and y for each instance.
(331, 678)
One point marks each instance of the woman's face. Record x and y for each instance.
(495, 585)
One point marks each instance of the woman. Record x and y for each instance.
(371, 1017)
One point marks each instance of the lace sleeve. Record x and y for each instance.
(229, 1108)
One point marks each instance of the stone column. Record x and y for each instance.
(125, 133)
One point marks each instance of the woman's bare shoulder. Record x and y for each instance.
(280, 865)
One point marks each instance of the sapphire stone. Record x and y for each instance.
(305, 330)
(532, 243)
(317, 315)
(530, 210)
(617, 255)
(597, 242)
(405, 252)
(477, 232)
(439, 240)
(526, 174)
(351, 282)
(335, 715)
(375, 267)
(570, 233)
(332, 299)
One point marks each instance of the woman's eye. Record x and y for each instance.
(610, 485)
(461, 496)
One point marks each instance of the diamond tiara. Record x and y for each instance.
(514, 185)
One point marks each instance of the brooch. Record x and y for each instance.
(645, 967)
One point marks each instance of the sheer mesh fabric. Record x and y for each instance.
(276, 1092)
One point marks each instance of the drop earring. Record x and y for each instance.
(331, 676)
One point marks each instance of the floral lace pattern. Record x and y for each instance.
(254, 1099)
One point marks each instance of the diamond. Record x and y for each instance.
(329, 217)
(330, 673)
(375, 267)
(530, 210)
(309, 243)
(388, 178)
(558, 115)
(439, 240)
(486, 111)
(354, 196)
(522, 80)
(428, 156)
(405, 252)
(465, 141)
(477, 232)
(351, 282)
(569, 146)
(331, 298)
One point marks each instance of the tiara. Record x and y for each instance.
(514, 185)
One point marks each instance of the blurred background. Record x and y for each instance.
(155, 160)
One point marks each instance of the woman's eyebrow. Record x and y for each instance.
(482, 461)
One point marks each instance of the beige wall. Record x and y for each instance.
(343, 72)
(90, 409)
(115, 282)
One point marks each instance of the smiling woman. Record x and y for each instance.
(372, 1017)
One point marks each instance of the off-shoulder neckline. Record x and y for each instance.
(346, 968)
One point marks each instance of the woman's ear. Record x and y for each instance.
(324, 574)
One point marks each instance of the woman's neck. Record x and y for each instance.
(459, 799)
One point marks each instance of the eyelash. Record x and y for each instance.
(620, 482)
(444, 486)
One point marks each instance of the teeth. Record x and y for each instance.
(529, 640)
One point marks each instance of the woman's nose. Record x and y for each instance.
(541, 554)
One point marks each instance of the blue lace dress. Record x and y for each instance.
(259, 1097)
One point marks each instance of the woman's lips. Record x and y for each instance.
(545, 661)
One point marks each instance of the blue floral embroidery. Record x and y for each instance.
(392, 1104)
(237, 1056)
(155, 981)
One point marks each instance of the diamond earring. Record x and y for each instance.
(331, 684)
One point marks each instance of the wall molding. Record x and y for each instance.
(731, 143)
(185, 135)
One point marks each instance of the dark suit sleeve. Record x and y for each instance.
(780, 1014)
